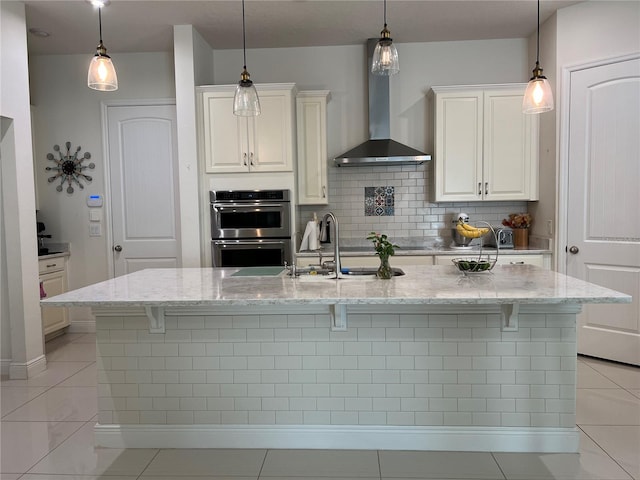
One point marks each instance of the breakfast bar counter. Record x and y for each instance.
(431, 360)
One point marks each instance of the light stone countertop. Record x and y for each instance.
(444, 285)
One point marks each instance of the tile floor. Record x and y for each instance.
(47, 424)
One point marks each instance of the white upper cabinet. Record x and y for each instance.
(247, 144)
(312, 147)
(486, 149)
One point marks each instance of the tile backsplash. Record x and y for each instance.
(414, 221)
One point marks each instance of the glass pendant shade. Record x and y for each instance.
(246, 102)
(102, 74)
(538, 97)
(385, 57)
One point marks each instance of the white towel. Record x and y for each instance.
(310, 237)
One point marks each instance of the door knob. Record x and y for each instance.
(118, 248)
(573, 249)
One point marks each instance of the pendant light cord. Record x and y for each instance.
(244, 41)
(100, 22)
(385, 13)
(538, 37)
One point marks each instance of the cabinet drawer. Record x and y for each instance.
(49, 265)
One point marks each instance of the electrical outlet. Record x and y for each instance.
(95, 229)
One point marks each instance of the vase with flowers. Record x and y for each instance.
(384, 249)
(519, 223)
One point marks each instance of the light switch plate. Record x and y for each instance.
(95, 215)
(95, 229)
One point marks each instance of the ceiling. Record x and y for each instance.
(146, 26)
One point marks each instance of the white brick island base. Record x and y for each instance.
(411, 377)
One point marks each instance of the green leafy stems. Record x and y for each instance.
(383, 247)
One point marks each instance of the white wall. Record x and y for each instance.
(18, 199)
(5, 324)
(65, 109)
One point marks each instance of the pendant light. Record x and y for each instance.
(385, 56)
(538, 97)
(102, 74)
(245, 102)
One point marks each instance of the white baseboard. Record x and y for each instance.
(4, 366)
(473, 439)
(82, 326)
(22, 371)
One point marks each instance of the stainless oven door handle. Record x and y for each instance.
(219, 207)
(250, 243)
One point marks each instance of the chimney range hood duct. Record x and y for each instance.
(380, 149)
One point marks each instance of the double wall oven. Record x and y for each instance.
(250, 228)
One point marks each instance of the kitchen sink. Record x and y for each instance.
(355, 273)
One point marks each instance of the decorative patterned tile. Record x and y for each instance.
(379, 201)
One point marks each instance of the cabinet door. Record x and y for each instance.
(54, 318)
(270, 133)
(312, 148)
(458, 146)
(224, 134)
(509, 149)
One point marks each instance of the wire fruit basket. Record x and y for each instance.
(479, 263)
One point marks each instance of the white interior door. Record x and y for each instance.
(142, 164)
(604, 203)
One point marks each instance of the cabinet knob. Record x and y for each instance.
(251, 158)
(324, 192)
(573, 249)
(118, 248)
(479, 188)
(486, 188)
(244, 159)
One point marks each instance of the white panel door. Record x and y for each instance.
(144, 210)
(604, 203)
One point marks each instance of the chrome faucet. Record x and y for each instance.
(336, 241)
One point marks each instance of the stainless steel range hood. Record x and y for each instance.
(380, 149)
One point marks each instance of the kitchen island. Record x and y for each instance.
(432, 360)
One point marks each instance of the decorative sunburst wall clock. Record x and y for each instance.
(69, 167)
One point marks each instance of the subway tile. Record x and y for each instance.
(343, 390)
(530, 405)
(358, 404)
(206, 363)
(262, 389)
(428, 363)
(357, 348)
(207, 418)
(219, 404)
(372, 418)
(152, 363)
(329, 376)
(292, 362)
(203, 335)
(233, 390)
(302, 376)
(315, 390)
(164, 350)
(288, 418)
(262, 418)
(248, 349)
(302, 348)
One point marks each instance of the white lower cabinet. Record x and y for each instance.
(53, 277)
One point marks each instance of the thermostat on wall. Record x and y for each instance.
(94, 200)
